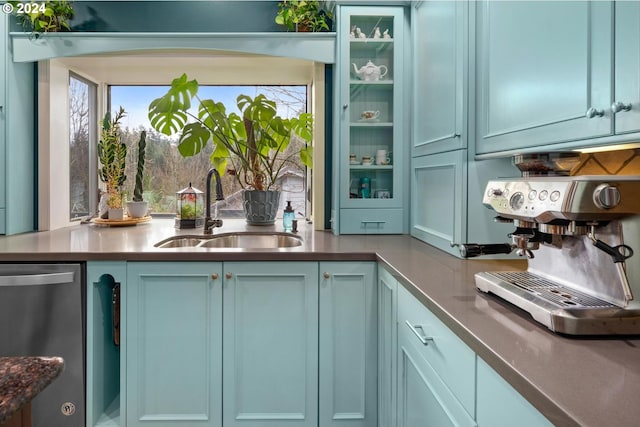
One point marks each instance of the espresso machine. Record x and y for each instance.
(578, 234)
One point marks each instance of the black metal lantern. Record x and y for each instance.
(189, 208)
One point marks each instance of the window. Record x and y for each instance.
(167, 172)
(82, 131)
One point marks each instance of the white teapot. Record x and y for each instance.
(370, 71)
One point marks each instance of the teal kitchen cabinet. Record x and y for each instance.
(17, 139)
(105, 367)
(440, 34)
(436, 371)
(348, 345)
(626, 100)
(387, 348)
(544, 74)
(173, 335)
(446, 200)
(371, 111)
(270, 344)
(500, 405)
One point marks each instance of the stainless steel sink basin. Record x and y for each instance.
(242, 240)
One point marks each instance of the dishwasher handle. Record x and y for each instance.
(37, 279)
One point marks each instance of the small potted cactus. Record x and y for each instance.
(138, 207)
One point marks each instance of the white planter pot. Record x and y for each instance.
(116, 214)
(137, 209)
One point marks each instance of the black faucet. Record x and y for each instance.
(210, 223)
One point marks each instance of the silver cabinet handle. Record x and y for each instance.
(592, 112)
(618, 106)
(372, 222)
(345, 106)
(425, 340)
(36, 279)
(326, 275)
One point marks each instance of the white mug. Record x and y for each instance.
(382, 158)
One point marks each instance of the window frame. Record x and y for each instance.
(92, 105)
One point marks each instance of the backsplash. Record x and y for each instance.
(622, 162)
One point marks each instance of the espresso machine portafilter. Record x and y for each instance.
(578, 234)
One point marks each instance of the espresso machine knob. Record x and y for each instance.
(606, 196)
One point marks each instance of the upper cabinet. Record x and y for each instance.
(17, 140)
(626, 102)
(440, 97)
(372, 120)
(544, 74)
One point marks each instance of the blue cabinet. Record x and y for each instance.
(105, 367)
(387, 348)
(270, 344)
(440, 34)
(173, 333)
(348, 345)
(370, 192)
(573, 85)
(500, 405)
(17, 139)
(627, 71)
(436, 371)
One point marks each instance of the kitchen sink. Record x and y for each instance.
(242, 240)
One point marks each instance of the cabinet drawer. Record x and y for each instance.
(371, 221)
(449, 357)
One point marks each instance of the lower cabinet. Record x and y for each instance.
(436, 371)
(232, 344)
(270, 344)
(387, 347)
(500, 405)
(348, 345)
(173, 334)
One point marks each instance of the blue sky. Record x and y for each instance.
(136, 99)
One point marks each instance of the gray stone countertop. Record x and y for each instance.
(573, 381)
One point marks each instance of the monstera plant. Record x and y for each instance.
(255, 146)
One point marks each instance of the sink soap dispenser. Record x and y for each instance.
(287, 218)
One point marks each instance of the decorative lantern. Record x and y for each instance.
(189, 208)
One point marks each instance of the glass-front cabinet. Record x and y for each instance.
(370, 154)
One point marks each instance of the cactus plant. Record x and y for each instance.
(112, 153)
(137, 189)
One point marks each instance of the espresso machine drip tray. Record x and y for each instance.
(560, 308)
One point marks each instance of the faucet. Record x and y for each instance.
(210, 223)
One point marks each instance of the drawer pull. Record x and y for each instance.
(423, 339)
(372, 222)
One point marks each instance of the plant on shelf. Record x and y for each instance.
(44, 16)
(112, 154)
(138, 207)
(254, 146)
(304, 15)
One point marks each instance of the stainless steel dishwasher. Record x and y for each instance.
(42, 313)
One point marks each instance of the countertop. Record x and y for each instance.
(572, 381)
(22, 378)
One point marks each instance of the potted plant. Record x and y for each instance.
(304, 15)
(44, 16)
(112, 154)
(254, 146)
(138, 207)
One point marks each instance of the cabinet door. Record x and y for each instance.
(371, 117)
(500, 405)
(438, 198)
(423, 400)
(627, 69)
(387, 348)
(348, 345)
(440, 40)
(173, 335)
(270, 344)
(3, 81)
(541, 66)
